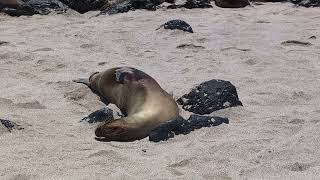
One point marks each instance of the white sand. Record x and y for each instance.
(276, 135)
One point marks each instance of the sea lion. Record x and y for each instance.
(140, 98)
(10, 2)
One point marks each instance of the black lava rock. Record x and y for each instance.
(210, 96)
(232, 3)
(125, 6)
(31, 7)
(10, 125)
(190, 4)
(180, 125)
(177, 24)
(307, 3)
(101, 115)
(83, 6)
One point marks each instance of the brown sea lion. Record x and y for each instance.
(140, 98)
(10, 2)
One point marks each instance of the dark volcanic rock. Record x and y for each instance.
(307, 3)
(190, 4)
(31, 7)
(182, 126)
(210, 96)
(101, 115)
(128, 5)
(83, 6)
(177, 24)
(9, 124)
(232, 3)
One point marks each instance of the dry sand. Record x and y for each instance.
(276, 135)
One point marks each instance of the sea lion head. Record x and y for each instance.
(93, 79)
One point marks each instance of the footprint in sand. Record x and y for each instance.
(251, 62)
(31, 105)
(185, 70)
(87, 46)
(4, 101)
(182, 163)
(26, 58)
(77, 94)
(297, 121)
(42, 49)
(26, 75)
(202, 40)
(298, 167)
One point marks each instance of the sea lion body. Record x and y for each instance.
(140, 98)
(10, 2)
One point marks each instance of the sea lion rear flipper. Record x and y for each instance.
(82, 81)
(118, 130)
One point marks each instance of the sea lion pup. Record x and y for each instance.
(140, 98)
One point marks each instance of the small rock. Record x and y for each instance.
(101, 115)
(177, 24)
(10, 125)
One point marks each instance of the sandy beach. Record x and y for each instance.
(275, 135)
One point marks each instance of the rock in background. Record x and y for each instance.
(307, 3)
(31, 7)
(232, 3)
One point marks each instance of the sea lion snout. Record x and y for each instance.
(91, 76)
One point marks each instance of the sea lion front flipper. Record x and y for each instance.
(82, 81)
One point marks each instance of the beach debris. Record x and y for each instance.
(177, 24)
(232, 3)
(190, 4)
(180, 125)
(210, 96)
